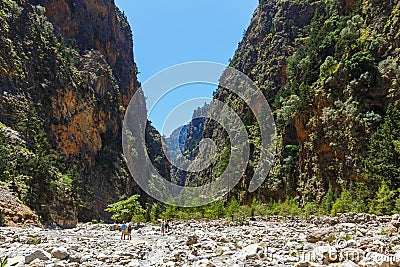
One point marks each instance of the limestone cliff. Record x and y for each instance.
(329, 70)
(66, 76)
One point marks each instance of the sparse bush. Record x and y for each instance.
(328, 67)
(343, 204)
(289, 207)
(214, 210)
(384, 232)
(232, 208)
(331, 238)
(34, 241)
(360, 63)
(327, 202)
(396, 209)
(244, 212)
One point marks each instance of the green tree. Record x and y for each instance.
(170, 212)
(343, 204)
(328, 67)
(153, 211)
(125, 210)
(328, 201)
(383, 202)
(214, 210)
(233, 208)
(397, 206)
(383, 160)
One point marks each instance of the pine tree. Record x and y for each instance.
(397, 206)
(328, 201)
(384, 200)
(383, 161)
(343, 204)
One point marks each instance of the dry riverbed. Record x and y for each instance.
(346, 240)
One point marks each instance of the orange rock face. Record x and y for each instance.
(82, 132)
(87, 117)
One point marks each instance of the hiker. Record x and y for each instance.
(129, 231)
(162, 227)
(168, 225)
(123, 230)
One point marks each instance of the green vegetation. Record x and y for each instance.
(331, 238)
(34, 241)
(33, 170)
(383, 161)
(343, 204)
(331, 205)
(384, 232)
(126, 210)
(3, 262)
(29, 164)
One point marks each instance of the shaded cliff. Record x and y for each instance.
(88, 130)
(329, 70)
(188, 138)
(66, 76)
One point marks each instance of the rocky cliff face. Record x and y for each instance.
(324, 68)
(98, 25)
(188, 137)
(92, 134)
(67, 74)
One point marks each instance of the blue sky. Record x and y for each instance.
(172, 32)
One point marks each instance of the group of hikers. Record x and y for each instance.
(126, 229)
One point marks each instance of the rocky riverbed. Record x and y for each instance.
(346, 240)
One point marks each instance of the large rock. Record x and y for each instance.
(60, 253)
(192, 240)
(318, 235)
(38, 254)
(249, 252)
(75, 257)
